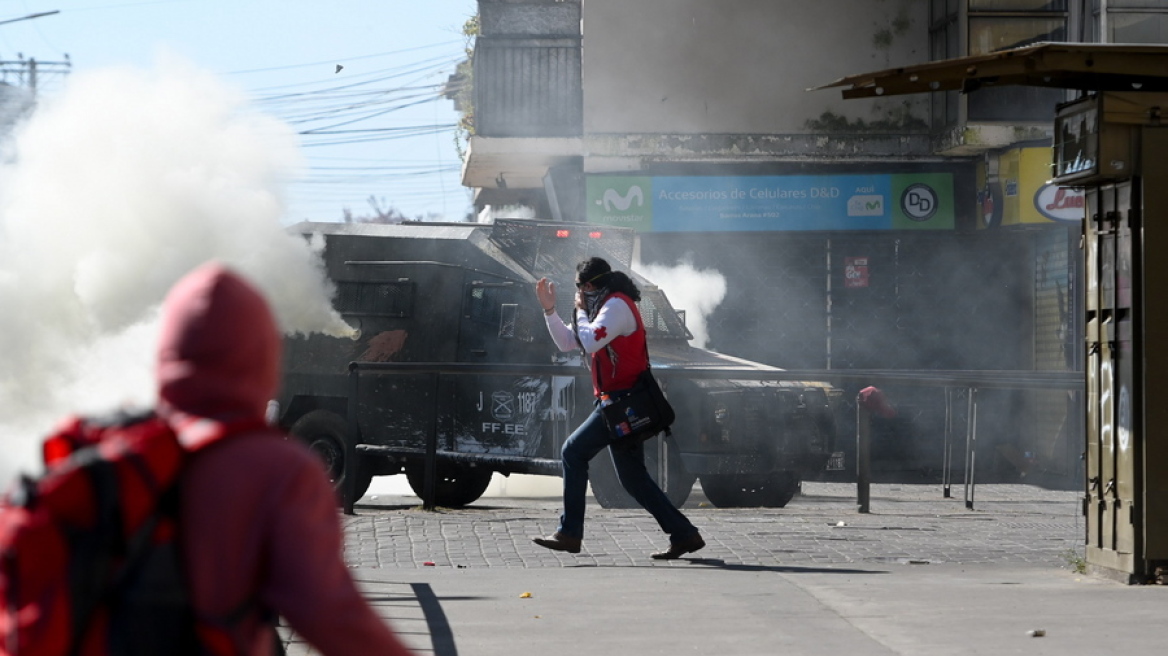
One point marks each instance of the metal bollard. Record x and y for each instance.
(947, 448)
(349, 482)
(970, 448)
(430, 467)
(863, 456)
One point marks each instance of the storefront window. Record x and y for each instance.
(1138, 27)
(1128, 21)
(944, 43)
(993, 25)
(1136, 4)
(1017, 5)
(1094, 31)
(1014, 104)
(988, 35)
(1003, 24)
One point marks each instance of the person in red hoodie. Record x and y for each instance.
(258, 524)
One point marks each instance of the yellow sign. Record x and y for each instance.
(1022, 194)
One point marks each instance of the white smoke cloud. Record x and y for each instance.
(111, 192)
(491, 212)
(697, 291)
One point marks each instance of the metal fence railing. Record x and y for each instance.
(971, 381)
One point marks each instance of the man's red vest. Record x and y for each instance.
(618, 365)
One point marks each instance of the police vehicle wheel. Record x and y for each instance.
(324, 433)
(609, 493)
(750, 491)
(457, 485)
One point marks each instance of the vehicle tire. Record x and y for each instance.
(609, 493)
(457, 485)
(750, 491)
(324, 433)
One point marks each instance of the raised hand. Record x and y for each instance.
(545, 291)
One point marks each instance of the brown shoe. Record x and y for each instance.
(559, 542)
(680, 548)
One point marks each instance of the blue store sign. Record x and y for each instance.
(770, 203)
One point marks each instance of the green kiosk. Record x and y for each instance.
(1112, 143)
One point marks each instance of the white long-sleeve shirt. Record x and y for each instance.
(615, 319)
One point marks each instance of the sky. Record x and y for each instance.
(384, 137)
(179, 136)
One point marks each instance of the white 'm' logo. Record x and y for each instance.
(621, 203)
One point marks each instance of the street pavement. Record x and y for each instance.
(920, 574)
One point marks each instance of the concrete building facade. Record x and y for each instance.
(907, 232)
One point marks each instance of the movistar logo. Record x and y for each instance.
(866, 205)
(614, 200)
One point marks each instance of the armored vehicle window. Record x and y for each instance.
(491, 305)
(553, 250)
(661, 320)
(378, 299)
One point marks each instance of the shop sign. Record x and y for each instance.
(1023, 192)
(855, 272)
(878, 201)
(1060, 203)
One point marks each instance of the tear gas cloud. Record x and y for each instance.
(491, 212)
(109, 193)
(697, 291)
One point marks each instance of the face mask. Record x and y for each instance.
(593, 299)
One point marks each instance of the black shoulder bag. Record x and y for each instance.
(640, 412)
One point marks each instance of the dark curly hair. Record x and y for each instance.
(597, 271)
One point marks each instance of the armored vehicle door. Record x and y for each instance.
(501, 413)
(500, 323)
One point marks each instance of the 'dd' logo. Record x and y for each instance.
(919, 202)
(612, 199)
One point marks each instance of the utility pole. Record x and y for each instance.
(27, 71)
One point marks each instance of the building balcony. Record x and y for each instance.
(528, 87)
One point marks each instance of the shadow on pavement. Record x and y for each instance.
(412, 609)
(441, 637)
(718, 563)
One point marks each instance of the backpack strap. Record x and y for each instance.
(90, 587)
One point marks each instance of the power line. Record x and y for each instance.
(432, 65)
(30, 17)
(336, 115)
(343, 59)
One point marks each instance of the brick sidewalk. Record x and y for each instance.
(1010, 524)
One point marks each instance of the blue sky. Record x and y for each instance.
(391, 135)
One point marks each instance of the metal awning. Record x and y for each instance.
(1086, 66)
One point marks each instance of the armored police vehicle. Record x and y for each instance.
(451, 346)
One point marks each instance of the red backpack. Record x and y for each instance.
(89, 559)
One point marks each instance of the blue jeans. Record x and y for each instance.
(587, 441)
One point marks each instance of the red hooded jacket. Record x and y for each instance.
(259, 522)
